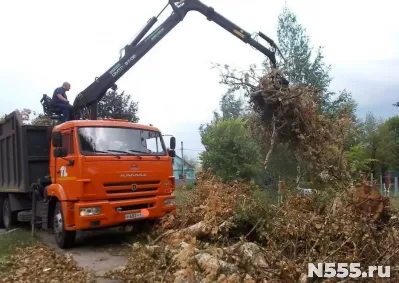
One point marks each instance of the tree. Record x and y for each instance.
(2, 118)
(304, 65)
(25, 114)
(189, 160)
(372, 144)
(42, 120)
(118, 106)
(388, 153)
(344, 104)
(230, 150)
(231, 108)
(359, 159)
(299, 66)
(372, 137)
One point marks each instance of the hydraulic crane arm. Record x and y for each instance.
(137, 49)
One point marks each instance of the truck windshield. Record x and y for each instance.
(121, 141)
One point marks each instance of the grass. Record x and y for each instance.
(11, 240)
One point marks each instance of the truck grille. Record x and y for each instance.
(130, 183)
(132, 190)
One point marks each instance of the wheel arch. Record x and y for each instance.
(57, 191)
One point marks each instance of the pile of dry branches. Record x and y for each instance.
(309, 231)
(202, 242)
(291, 115)
(212, 203)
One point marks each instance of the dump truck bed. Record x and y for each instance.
(24, 153)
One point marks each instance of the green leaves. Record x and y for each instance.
(374, 143)
(118, 106)
(301, 65)
(230, 150)
(304, 65)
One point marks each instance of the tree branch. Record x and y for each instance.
(272, 141)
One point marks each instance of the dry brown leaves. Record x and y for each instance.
(212, 202)
(303, 229)
(306, 231)
(40, 263)
(189, 248)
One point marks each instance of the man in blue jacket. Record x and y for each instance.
(60, 100)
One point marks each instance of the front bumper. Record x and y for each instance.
(114, 213)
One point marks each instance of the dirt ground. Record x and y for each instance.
(98, 251)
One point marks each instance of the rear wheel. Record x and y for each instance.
(64, 239)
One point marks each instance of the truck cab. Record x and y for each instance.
(107, 173)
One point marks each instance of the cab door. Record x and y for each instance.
(66, 169)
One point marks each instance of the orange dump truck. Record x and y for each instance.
(83, 174)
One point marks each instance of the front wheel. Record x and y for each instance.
(64, 239)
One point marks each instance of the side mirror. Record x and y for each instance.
(172, 152)
(60, 152)
(172, 143)
(56, 138)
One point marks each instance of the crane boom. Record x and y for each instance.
(137, 49)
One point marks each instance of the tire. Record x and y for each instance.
(8, 217)
(64, 239)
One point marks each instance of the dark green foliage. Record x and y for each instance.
(230, 150)
(118, 106)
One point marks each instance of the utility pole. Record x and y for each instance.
(182, 161)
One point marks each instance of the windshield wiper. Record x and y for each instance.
(98, 151)
(118, 151)
(138, 151)
(109, 151)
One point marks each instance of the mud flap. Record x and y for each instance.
(44, 214)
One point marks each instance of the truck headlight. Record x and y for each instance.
(169, 201)
(88, 211)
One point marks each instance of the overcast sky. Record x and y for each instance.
(46, 42)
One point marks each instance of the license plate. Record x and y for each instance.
(131, 216)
